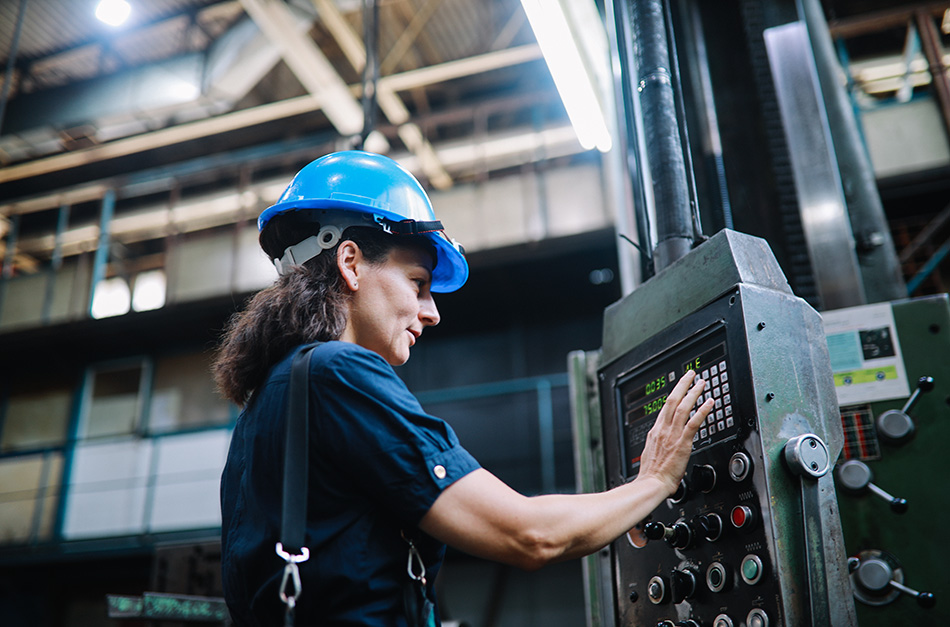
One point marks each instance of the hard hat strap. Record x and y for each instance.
(409, 227)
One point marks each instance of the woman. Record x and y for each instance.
(360, 255)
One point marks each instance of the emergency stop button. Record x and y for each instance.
(742, 516)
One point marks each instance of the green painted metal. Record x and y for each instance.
(912, 470)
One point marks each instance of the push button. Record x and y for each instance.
(751, 569)
(757, 618)
(742, 516)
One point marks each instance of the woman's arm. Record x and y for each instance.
(481, 515)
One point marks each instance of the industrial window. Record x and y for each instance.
(115, 400)
(37, 414)
(183, 395)
(29, 492)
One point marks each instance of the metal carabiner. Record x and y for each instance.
(291, 571)
(415, 557)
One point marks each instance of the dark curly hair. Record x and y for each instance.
(306, 305)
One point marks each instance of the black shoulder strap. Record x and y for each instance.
(294, 516)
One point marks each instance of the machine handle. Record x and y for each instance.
(855, 476)
(924, 384)
(807, 456)
(895, 425)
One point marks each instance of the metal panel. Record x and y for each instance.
(908, 469)
(821, 200)
(711, 270)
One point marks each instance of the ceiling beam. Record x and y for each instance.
(387, 99)
(308, 63)
(261, 114)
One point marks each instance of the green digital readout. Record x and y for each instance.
(644, 394)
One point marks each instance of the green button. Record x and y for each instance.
(750, 569)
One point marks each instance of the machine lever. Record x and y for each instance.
(807, 456)
(924, 384)
(855, 477)
(924, 599)
(879, 580)
(895, 425)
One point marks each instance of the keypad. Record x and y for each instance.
(721, 420)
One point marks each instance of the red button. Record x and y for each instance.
(741, 515)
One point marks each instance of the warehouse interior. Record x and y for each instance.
(135, 160)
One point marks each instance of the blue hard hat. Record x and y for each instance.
(374, 186)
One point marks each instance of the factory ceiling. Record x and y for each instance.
(205, 91)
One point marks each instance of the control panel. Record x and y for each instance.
(705, 556)
(752, 537)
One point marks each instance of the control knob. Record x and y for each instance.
(895, 425)
(679, 536)
(702, 477)
(879, 580)
(710, 525)
(682, 584)
(855, 477)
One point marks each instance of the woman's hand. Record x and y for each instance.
(670, 441)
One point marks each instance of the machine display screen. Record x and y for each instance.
(642, 393)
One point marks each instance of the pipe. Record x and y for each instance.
(661, 130)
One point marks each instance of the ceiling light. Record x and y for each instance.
(575, 85)
(113, 12)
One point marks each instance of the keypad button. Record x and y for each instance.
(722, 365)
(707, 395)
(730, 421)
(715, 380)
(714, 370)
(718, 403)
(721, 426)
(727, 399)
(728, 410)
(703, 432)
(712, 429)
(719, 415)
(717, 392)
(706, 374)
(725, 387)
(723, 376)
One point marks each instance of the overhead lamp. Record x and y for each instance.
(576, 86)
(113, 12)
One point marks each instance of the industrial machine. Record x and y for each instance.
(752, 538)
(893, 383)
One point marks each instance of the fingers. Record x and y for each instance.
(683, 397)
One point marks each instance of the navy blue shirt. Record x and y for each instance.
(377, 464)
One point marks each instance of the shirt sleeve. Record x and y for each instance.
(371, 427)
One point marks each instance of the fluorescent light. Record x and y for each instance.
(574, 84)
(113, 12)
